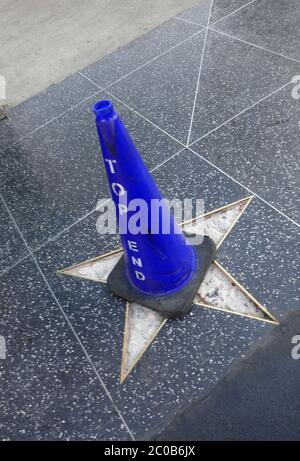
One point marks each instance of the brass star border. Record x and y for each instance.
(204, 301)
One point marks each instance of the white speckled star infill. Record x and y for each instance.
(219, 290)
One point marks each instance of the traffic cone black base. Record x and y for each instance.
(175, 305)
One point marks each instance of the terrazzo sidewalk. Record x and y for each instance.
(211, 99)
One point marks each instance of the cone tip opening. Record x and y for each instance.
(103, 109)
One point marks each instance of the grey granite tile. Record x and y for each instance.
(189, 356)
(198, 14)
(12, 248)
(183, 176)
(43, 107)
(257, 401)
(186, 359)
(163, 90)
(271, 24)
(56, 175)
(263, 252)
(222, 8)
(260, 149)
(126, 59)
(188, 176)
(48, 389)
(234, 76)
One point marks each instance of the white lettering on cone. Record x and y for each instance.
(111, 165)
(139, 275)
(132, 245)
(118, 189)
(136, 261)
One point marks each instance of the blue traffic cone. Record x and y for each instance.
(159, 270)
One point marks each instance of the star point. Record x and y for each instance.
(219, 289)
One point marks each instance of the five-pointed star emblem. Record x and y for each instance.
(219, 290)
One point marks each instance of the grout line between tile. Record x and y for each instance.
(68, 322)
(108, 86)
(188, 21)
(233, 12)
(245, 187)
(144, 118)
(214, 166)
(15, 264)
(253, 44)
(241, 112)
(158, 166)
(150, 60)
(54, 118)
(199, 75)
(56, 236)
(215, 22)
(167, 160)
(131, 72)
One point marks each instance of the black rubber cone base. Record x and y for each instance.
(175, 305)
